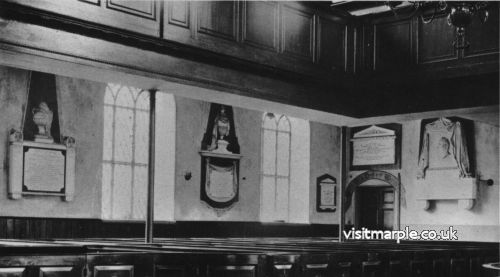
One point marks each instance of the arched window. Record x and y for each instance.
(285, 169)
(125, 150)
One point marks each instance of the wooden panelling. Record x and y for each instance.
(435, 41)
(218, 18)
(363, 52)
(458, 267)
(214, 58)
(135, 16)
(35, 228)
(475, 265)
(57, 271)
(178, 21)
(12, 272)
(316, 270)
(178, 13)
(393, 49)
(407, 46)
(420, 268)
(114, 271)
(144, 8)
(372, 269)
(260, 24)
(331, 44)
(232, 271)
(240, 257)
(95, 2)
(265, 33)
(297, 33)
(395, 269)
(282, 270)
(483, 38)
(343, 269)
(170, 271)
(439, 267)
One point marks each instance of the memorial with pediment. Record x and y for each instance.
(376, 147)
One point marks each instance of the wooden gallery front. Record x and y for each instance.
(249, 138)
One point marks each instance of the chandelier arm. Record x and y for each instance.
(429, 20)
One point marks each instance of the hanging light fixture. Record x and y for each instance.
(460, 15)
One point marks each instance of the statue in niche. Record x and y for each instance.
(43, 116)
(220, 134)
(220, 159)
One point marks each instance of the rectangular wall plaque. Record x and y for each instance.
(44, 169)
(37, 168)
(374, 150)
(326, 195)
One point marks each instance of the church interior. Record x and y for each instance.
(249, 138)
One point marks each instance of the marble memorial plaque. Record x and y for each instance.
(327, 195)
(44, 170)
(374, 150)
(221, 185)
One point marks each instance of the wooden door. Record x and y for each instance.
(375, 208)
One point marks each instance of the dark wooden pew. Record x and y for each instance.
(245, 257)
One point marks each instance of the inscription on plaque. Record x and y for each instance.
(44, 170)
(327, 195)
(375, 150)
(374, 146)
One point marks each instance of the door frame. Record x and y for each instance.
(386, 177)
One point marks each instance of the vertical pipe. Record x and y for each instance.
(398, 207)
(343, 173)
(151, 168)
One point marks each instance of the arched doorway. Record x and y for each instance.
(376, 200)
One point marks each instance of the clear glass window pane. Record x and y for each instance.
(268, 198)
(125, 153)
(269, 121)
(143, 100)
(140, 192)
(141, 137)
(269, 152)
(284, 124)
(124, 124)
(135, 94)
(106, 190)
(125, 97)
(282, 191)
(110, 94)
(122, 193)
(107, 143)
(283, 154)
